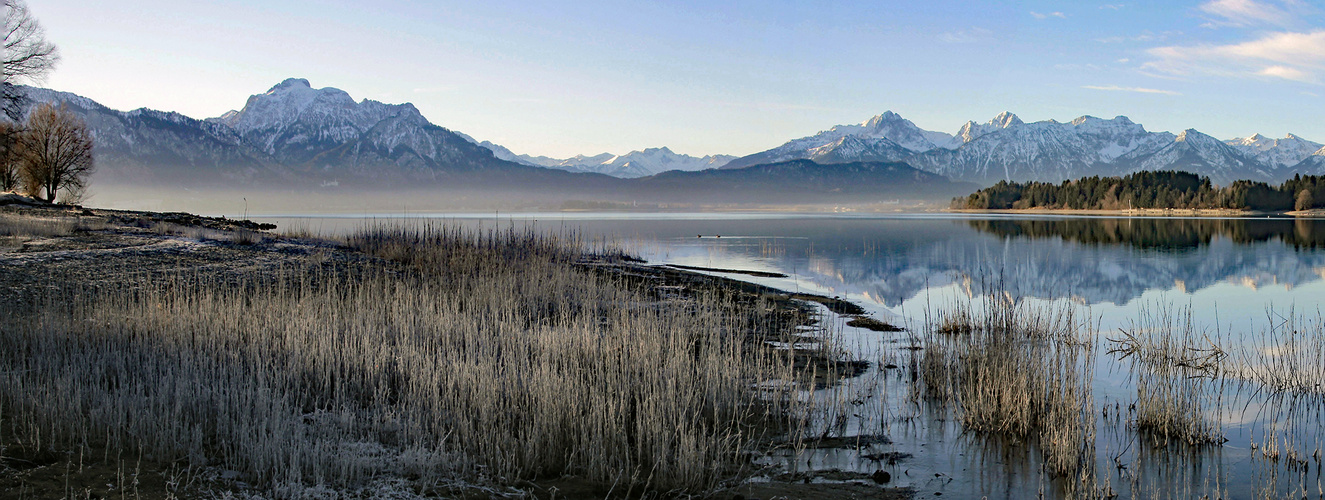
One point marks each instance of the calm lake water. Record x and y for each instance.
(1240, 279)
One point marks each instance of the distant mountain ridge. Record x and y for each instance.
(294, 134)
(630, 165)
(633, 164)
(1007, 148)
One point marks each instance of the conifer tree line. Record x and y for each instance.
(1162, 189)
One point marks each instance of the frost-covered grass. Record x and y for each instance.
(472, 358)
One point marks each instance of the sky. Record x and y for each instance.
(702, 77)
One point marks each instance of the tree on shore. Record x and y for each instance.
(9, 171)
(27, 55)
(1304, 201)
(55, 149)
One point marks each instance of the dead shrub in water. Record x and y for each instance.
(487, 358)
(1013, 369)
(1177, 372)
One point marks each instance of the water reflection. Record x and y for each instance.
(1171, 234)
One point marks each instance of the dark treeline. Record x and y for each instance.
(1150, 190)
(1164, 234)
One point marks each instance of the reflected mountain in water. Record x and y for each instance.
(1091, 260)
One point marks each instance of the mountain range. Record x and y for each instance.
(295, 135)
(1006, 148)
(628, 166)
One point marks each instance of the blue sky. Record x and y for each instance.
(588, 76)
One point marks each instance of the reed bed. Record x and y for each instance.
(1178, 372)
(472, 358)
(16, 229)
(1285, 369)
(1020, 371)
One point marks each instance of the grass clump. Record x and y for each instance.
(1011, 369)
(1177, 372)
(471, 358)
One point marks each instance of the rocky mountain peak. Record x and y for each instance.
(885, 117)
(290, 84)
(1005, 119)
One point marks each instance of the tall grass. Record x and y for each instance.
(1012, 369)
(1285, 365)
(479, 357)
(1177, 371)
(16, 229)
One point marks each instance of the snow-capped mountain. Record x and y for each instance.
(856, 148)
(326, 129)
(292, 134)
(630, 165)
(1276, 153)
(1201, 154)
(1007, 148)
(1312, 165)
(889, 125)
(972, 131)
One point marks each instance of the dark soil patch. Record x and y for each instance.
(872, 324)
(761, 274)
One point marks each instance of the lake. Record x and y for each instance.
(1251, 287)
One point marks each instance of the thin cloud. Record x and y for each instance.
(971, 35)
(1285, 55)
(1145, 36)
(1140, 90)
(1245, 13)
(1113, 6)
(1038, 15)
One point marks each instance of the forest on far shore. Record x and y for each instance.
(1163, 189)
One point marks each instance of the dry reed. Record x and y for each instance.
(484, 358)
(1016, 370)
(1177, 372)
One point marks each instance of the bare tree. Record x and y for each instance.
(55, 148)
(1304, 200)
(8, 157)
(27, 54)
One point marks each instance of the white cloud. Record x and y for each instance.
(1038, 15)
(1287, 55)
(1286, 73)
(1245, 13)
(1124, 60)
(1141, 90)
(1112, 6)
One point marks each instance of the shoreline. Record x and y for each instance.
(1144, 212)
